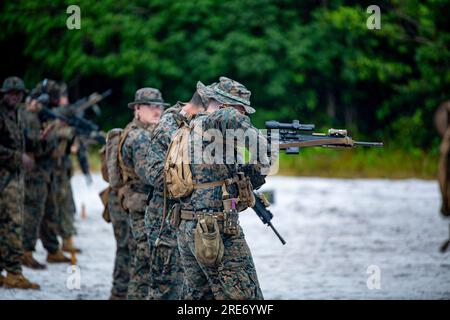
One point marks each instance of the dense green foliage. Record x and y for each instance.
(312, 60)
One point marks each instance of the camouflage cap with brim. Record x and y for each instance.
(231, 92)
(13, 84)
(148, 96)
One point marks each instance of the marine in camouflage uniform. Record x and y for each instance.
(40, 217)
(124, 241)
(64, 172)
(12, 163)
(61, 133)
(166, 274)
(65, 198)
(115, 214)
(442, 123)
(234, 277)
(133, 157)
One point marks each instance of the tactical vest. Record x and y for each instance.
(131, 196)
(179, 182)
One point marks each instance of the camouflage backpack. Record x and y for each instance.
(113, 139)
(177, 172)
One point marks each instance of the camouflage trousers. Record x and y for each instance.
(67, 209)
(11, 218)
(166, 272)
(233, 279)
(41, 213)
(122, 233)
(140, 253)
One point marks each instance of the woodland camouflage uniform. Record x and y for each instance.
(166, 270)
(40, 218)
(12, 147)
(115, 214)
(235, 276)
(134, 196)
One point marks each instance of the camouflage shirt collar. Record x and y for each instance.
(140, 124)
(180, 115)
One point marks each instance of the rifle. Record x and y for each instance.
(83, 128)
(78, 108)
(295, 135)
(82, 157)
(264, 214)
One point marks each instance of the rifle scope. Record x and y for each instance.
(295, 125)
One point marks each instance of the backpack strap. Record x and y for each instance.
(126, 172)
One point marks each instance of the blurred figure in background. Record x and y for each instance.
(54, 205)
(442, 122)
(13, 162)
(64, 173)
(40, 218)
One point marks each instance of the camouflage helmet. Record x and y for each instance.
(147, 96)
(13, 84)
(228, 91)
(51, 87)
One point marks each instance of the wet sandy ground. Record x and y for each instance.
(335, 229)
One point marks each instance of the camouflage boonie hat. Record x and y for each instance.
(13, 84)
(228, 91)
(147, 96)
(204, 92)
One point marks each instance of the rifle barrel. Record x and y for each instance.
(106, 93)
(368, 144)
(276, 232)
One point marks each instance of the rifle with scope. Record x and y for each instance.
(295, 135)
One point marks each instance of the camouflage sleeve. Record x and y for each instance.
(137, 143)
(9, 158)
(31, 125)
(230, 119)
(49, 144)
(161, 138)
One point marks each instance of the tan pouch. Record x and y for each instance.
(132, 201)
(208, 242)
(230, 217)
(175, 216)
(246, 196)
